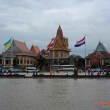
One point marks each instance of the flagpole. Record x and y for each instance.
(78, 44)
(85, 55)
(12, 54)
(53, 52)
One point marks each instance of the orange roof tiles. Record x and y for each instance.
(21, 45)
(35, 49)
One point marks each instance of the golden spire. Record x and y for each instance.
(59, 32)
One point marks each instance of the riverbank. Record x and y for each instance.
(55, 76)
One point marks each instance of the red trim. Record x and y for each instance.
(81, 40)
(51, 43)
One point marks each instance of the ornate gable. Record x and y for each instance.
(100, 48)
(14, 47)
(35, 49)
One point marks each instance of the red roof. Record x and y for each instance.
(35, 49)
(22, 49)
(99, 54)
(22, 46)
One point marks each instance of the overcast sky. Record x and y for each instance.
(36, 22)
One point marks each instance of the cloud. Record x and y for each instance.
(34, 21)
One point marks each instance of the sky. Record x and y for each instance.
(36, 22)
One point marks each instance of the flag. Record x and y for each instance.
(51, 44)
(45, 51)
(8, 44)
(80, 42)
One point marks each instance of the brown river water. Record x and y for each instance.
(54, 94)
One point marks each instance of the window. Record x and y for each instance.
(21, 61)
(61, 54)
(31, 61)
(24, 60)
(27, 61)
(56, 54)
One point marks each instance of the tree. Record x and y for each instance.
(77, 60)
(41, 62)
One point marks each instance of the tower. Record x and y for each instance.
(59, 52)
(59, 32)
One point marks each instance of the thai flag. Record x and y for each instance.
(80, 42)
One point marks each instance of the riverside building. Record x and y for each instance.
(18, 54)
(58, 52)
(99, 58)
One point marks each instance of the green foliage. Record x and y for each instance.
(41, 62)
(75, 72)
(77, 60)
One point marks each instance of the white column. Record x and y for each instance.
(11, 61)
(23, 60)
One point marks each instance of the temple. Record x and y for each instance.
(18, 54)
(59, 51)
(99, 58)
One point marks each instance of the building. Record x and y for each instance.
(35, 49)
(99, 58)
(59, 51)
(19, 55)
(0, 59)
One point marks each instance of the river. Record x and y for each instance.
(54, 94)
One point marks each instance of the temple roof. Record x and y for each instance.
(100, 48)
(21, 45)
(59, 32)
(99, 52)
(35, 49)
(60, 42)
(18, 48)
